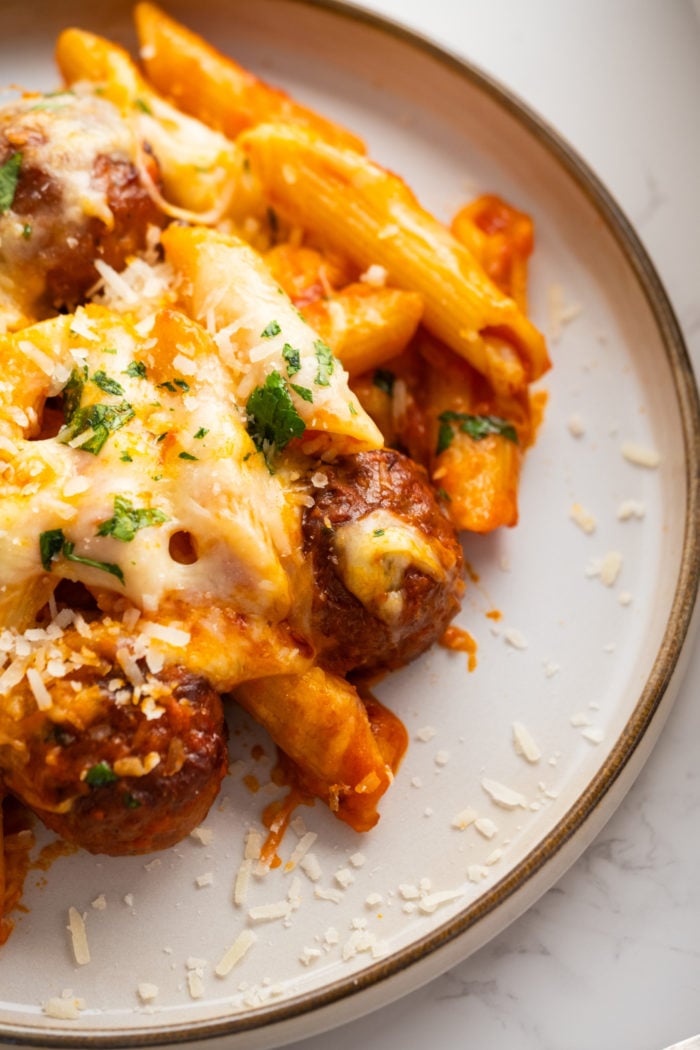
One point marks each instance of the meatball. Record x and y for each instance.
(138, 777)
(386, 563)
(76, 196)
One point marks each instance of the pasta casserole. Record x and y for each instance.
(252, 392)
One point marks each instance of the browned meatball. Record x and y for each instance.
(99, 772)
(386, 563)
(77, 196)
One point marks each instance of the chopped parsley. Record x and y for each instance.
(50, 546)
(9, 177)
(143, 106)
(27, 231)
(186, 455)
(270, 330)
(326, 363)
(162, 437)
(126, 457)
(101, 419)
(202, 432)
(303, 392)
(100, 775)
(477, 427)
(130, 801)
(53, 543)
(379, 532)
(168, 385)
(73, 392)
(292, 357)
(183, 384)
(128, 519)
(136, 369)
(272, 418)
(110, 386)
(384, 379)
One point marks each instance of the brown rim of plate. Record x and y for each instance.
(666, 659)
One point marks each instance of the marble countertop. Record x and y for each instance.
(610, 956)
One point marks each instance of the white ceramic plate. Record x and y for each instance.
(589, 669)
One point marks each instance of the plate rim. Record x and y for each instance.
(666, 661)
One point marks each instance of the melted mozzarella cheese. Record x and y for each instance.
(227, 287)
(374, 553)
(182, 454)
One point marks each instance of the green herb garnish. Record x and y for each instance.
(101, 419)
(110, 386)
(53, 543)
(477, 427)
(270, 330)
(100, 775)
(187, 455)
(136, 369)
(128, 519)
(326, 363)
(292, 357)
(9, 175)
(272, 418)
(202, 432)
(303, 392)
(50, 546)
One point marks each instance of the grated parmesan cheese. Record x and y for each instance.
(502, 795)
(525, 744)
(242, 944)
(62, 1008)
(640, 455)
(147, 992)
(78, 933)
(583, 518)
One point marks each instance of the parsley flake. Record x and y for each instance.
(303, 392)
(292, 357)
(128, 519)
(136, 369)
(326, 363)
(101, 419)
(100, 775)
(477, 427)
(272, 418)
(270, 330)
(186, 455)
(50, 546)
(9, 177)
(202, 432)
(110, 386)
(53, 543)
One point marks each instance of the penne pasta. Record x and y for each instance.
(476, 442)
(366, 327)
(213, 88)
(320, 722)
(200, 169)
(358, 207)
(260, 334)
(502, 239)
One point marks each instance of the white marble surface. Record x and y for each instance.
(610, 957)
